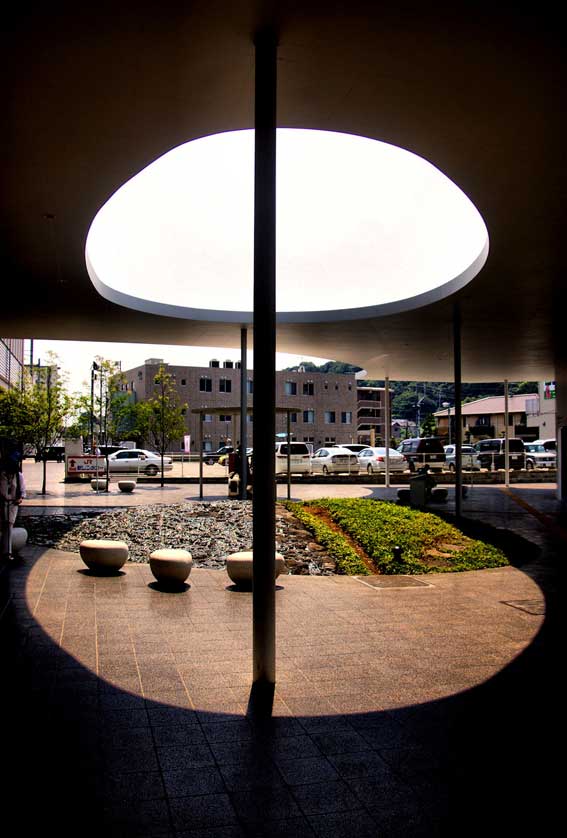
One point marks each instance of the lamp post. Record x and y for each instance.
(448, 407)
(94, 368)
(419, 415)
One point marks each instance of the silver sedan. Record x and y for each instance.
(138, 460)
(374, 459)
(334, 461)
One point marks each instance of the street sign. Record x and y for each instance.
(85, 464)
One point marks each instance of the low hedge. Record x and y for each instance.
(428, 544)
(346, 558)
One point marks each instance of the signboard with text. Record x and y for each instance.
(85, 464)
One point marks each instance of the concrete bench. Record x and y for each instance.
(171, 566)
(19, 539)
(126, 485)
(99, 485)
(103, 555)
(239, 567)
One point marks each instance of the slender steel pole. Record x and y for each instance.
(200, 449)
(264, 403)
(506, 436)
(387, 428)
(458, 409)
(288, 429)
(243, 412)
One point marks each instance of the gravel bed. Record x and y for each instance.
(209, 530)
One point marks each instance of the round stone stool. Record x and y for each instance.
(126, 485)
(98, 485)
(19, 539)
(103, 555)
(171, 567)
(239, 567)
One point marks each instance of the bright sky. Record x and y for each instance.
(76, 357)
(359, 223)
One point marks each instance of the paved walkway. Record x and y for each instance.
(428, 710)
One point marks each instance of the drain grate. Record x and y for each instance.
(530, 606)
(392, 582)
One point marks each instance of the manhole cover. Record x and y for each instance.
(392, 582)
(530, 606)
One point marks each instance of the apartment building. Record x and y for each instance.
(484, 419)
(11, 362)
(325, 407)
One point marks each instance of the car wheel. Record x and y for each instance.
(325, 470)
(151, 471)
(411, 466)
(210, 461)
(369, 468)
(529, 465)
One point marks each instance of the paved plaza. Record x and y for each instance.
(398, 711)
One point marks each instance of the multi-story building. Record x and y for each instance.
(11, 362)
(325, 407)
(370, 414)
(484, 419)
(540, 410)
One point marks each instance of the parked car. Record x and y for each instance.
(54, 452)
(374, 459)
(420, 451)
(299, 458)
(223, 460)
(212, 457)
(138, 460)
(548, 444)
(469, 457)
(491, 454)
(538, 456)
(356, 447)
(334, 461)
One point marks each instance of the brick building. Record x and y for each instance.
(327, 404)
(11, 362)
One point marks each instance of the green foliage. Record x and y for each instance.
(12, 416)
(163, 414)
(379, 526)
(346, 558)
(429, 426)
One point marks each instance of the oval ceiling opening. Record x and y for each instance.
(363, 229)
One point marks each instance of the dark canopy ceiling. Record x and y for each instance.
(97, 91)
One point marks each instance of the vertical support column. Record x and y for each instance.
(506, 436)
(387, 425)
(243, 412)
(288, 431)
(458, 410)
(264, 404)
(200, 450)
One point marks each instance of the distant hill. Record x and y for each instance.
(405, 394)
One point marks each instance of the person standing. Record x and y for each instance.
(12, 492)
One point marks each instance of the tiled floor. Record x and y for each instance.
(397, 712)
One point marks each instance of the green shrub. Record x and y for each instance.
(379, 526)
(346, 558)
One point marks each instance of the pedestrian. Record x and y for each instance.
(12, 492)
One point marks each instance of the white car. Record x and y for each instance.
(355, 447)
(299, 458)
(374, 459)
(334, 461)
(138, 460)
(538, 456)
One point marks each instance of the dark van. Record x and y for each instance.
(426, 450)
(491, 453)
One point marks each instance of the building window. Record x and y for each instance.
(207, 417)
(156, 380)
(205, 385)
(326, 386)
(308, 388)
(183, 411)
(346, 417)
(349, 386)
(250, 386)
(337, 387)
(207, 445)
(330, 440)
(225, 385)
(140, 374)
(225, 417)
(290, 388)
(330, 417)
(184, 381)
(308, 439)
(293, 417)
(309, 417)
(249, 418)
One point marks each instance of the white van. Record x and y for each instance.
(299, 458)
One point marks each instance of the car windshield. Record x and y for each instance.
(430, 446)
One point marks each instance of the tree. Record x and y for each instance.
(429, 426)
(45, 409)
(164, 414)
(12, 419)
